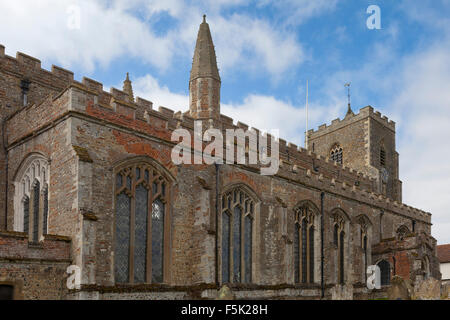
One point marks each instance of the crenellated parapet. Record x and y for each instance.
(297, 165)
(25, 66)
(364, 113)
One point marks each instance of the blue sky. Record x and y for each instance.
(266, 50)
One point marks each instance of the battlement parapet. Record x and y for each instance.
(29, 67)
(297, 163)
(337, 123)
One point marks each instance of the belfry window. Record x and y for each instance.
(238, 211)
(336, 154)
(31, 198)
(141, 221)
(304, 233)
(382, 157)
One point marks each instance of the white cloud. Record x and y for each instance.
(116, 29)
(267, 112)
(424, 145)
(149, 88)
(252, 43)
(105, 33)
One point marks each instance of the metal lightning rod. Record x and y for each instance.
(306, 131)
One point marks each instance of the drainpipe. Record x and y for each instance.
(217, 223)
(381, 225)
(6, 171)
(322, 285)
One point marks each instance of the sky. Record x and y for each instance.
(266, 51)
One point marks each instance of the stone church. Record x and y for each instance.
(87, 181)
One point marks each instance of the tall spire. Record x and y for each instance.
(204, 82)
(204, 63)
(128, 89)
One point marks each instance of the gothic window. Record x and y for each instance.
(364, 232)
(339, 241)
(341, 257)
(336, 154)
(35, 206)
(31, 198)
(402, 232)
(385, 270)
(304, 230)
(382, 157)
(26, 213)
(237, 234)
(141, 220)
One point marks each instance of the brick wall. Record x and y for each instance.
(37, 271)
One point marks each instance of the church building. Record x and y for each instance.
(88, 186)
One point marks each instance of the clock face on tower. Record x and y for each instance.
(384, 175)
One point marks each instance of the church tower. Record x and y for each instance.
(204, 82)
(364, 142)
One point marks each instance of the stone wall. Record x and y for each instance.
(37, 271)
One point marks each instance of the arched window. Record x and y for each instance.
(141, 224)
(339, 222)
(385, 270)
(339, 241)
(304, 244)
(336, 154)
(238, 210)
(365, 233)
(31, 197)
(402, 232)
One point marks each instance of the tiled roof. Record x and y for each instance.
(443, 253)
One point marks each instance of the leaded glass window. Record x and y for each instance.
(141, 224)
(45, 213)
(297, 253)
(36, 198)
(335, 234)
(304, 252)
(225, 247)
(31, 197)
(304, 244)
(237, 234)
(248, 245)
(122, 251)
(140, 240)
(26, 213)
(157, 241)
